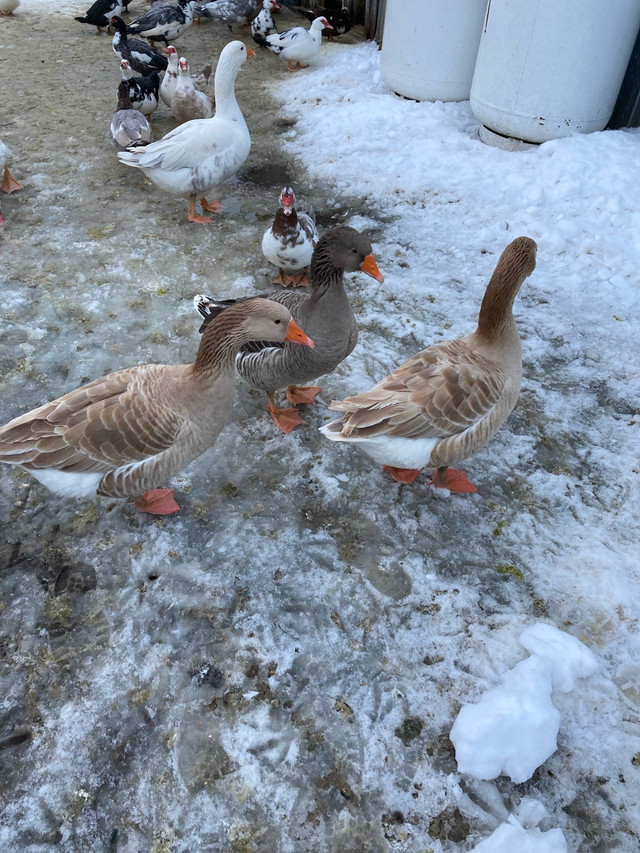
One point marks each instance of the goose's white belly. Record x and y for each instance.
(397, 452)
(71, 484)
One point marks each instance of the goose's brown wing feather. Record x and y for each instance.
(439, 392)
(97, 427)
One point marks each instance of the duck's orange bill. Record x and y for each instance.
(371, 268)
(296, 336)
(250, 52)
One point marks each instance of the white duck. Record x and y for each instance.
(126, 433)
(199, 155)
(445, 403)
(263, 24)
(187, 102)
(297, 45)
(290, 239)
(170, 76)
(9, 183)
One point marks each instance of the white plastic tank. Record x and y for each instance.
(549, 68)
(429, 47)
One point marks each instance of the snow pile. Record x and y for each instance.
(511, 836)
(514, 727)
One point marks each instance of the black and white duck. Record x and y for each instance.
(142, 91)
(263, 24)
(99, 15)
(141, 56)
(338, 16)
(164, 22)
(230, 12)
(290, 239)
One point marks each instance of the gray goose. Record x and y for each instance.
(324, 311)
(445, 403)
(128, 432)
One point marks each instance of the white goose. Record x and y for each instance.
(296, 45)
(8, 183)
(128, 432)
(8, 7)
(445, 403)
(200, 154)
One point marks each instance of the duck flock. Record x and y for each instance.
(129, 432)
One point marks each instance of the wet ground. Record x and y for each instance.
(243, 676)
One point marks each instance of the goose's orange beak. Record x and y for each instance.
(250, 52)
(371, 268)
(295, 335)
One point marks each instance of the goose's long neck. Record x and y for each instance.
(323, 274)
(496, 312)
(218, 348)
(224, 84)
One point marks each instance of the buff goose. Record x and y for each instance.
(263, 24)
(9, 184)
(128, 432)
(446, 402)
(289, 240)
(297, 45)
(128, 127)
(188, 102)
(100, 13)
(324, 311)
(170, 76)
(163, 22)
(199, 155)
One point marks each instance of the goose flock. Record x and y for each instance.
(127, 433)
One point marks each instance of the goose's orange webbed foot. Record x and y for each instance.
(454, 480)
(157, 502)
(402, 475)
(305, 396)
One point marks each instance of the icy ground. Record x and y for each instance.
(278, 668)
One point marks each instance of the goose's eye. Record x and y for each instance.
(277, 322)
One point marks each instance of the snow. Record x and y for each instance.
(511, 836)
(513, 728)
(396, 616)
